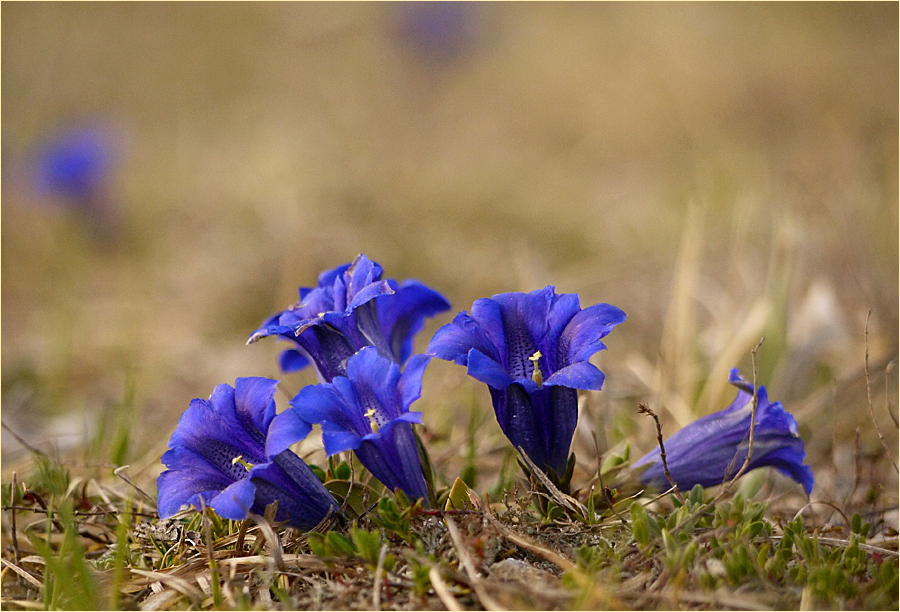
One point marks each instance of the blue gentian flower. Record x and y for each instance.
(438, 32)
(366, 411)
(532, 351)
(217, 452)
(713, 448)
(349, 309)
(75, 164)
(74, 168)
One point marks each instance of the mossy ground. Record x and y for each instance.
(79, 545)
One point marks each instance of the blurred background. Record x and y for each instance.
(172, 172)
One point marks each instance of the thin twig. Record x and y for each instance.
(15, 537)
(857, 470)
(869, 396)
(566, 501)
(441, 590)
(24, 574)
(825, 503)
(54, 522)
(23, 442)
(887, 396)
(120, 472)
(531, 546)
(650, 502)
(603, 489)
(727, 488)
(242, 533)
(643, 409)
(465, 561)
(81, 512)
(379, 572)
(843, 544)
(272, 538)
(754, 404)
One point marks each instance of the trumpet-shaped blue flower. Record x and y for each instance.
(217, 452)
(366, 411)
(713, 448)
(532, 350)
(349, 309)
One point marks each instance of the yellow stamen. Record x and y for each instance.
(240, 459)
(370, 414)
(536, 376)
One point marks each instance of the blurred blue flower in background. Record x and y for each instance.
(367, 412)
(74, 167)
(532, 350)
(713, 448)
(74, 163)
(217, 452)
(438, 31)
(351, 308)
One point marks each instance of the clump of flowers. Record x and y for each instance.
(532, 350)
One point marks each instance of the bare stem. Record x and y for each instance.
(887, 396)
(603, 490)
(753, 407)
(869, 397)
(643, 409)
(15, 537)
(120, 472)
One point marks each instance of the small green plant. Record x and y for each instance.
(69, 581)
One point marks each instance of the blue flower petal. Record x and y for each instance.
(327, 278)
(191, 476)
(562, 309)
(488, 371)
(453, 341)
(235, 501)
(579, 375)
(410, 383)
(329, 404)
(392, 456)
(255, 405)
(367, 293)
(302, 500)
(211, 429)
(789, 461)
(403, 315)
(489, 316)
(581, 337)
(360, 277)
(338, 441)
(291, 360)
(286, 429)
(525, 324)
